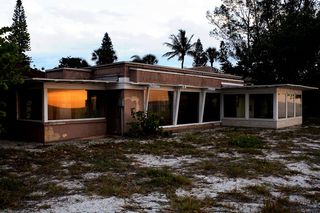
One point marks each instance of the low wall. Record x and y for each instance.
(241, 122)
(185, 127)
(261, 123)
(66, 130)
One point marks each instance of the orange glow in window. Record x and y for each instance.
(70, 99)
(158, 95)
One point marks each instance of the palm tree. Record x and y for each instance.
(212, 54)
(180, 46)
(136, 58)
(150, 59)
(147, 59)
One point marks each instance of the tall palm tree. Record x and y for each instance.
(212, 54)
(180, 46)
(147, 59)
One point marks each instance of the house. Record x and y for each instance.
(73, 103)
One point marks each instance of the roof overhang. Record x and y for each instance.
(255, 87)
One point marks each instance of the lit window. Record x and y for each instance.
(74, 104)
(161, 103)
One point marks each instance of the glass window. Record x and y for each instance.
(161, 103)
(281, 105)
(75, 104)
(234, 106)
(290, 105)
(261, 106)
(298, 102)
(212, 107)
(188, 108)
(30, 104)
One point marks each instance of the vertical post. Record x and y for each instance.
(275, 105)
(45, 103)
(176, 106)
(286, 99)
(202, 99)
(146, 99)
(294, 104)
(246, 106)
(221, 106)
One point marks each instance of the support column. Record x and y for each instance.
(246, 106)
(275, 106)
(221, 107)
(202, 101)
(176, 106)
(146, 99)
(45, 103)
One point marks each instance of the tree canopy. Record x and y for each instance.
(73, 62)
(180, 45)
(199, 56)
(19, 32)
(105, 54)
(146, 59)
(12, 66)
(271, 41)
(212, 54)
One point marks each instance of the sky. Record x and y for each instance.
(60, 28)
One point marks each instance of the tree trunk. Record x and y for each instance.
(182, 61)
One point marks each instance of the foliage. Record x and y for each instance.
(147, 59)
(20, 35)
(105, 54)
(146, 124)
(211, 54)
(180, 45)
(199, 56)
(72, 62)
(246, 141)
(272, 41)
(12, 67)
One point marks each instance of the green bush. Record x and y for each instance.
(246, 141)
(146, 124)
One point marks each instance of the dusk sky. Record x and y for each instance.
(60, 28)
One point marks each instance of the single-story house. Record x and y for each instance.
(70, 103)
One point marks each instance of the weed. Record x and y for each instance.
(246, 141)
(259, 190)
(281, 205)
(162, 178)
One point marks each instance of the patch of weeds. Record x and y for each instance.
(190, 204)
(108, 186)
(281, 205)
(314, 197)
(259, 190)
(290, 190)
(12, 192)
(194, 137)
(54, 190)
(235, 195)
(162, 179)
(246, 141)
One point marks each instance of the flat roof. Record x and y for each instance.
(250, 87)
(69, 80)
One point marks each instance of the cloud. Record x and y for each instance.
(59, 28)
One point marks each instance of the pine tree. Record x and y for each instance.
(105, 54)
(199, 57)
(20, 35)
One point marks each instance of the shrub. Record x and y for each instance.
(146, 124)
(246, 141)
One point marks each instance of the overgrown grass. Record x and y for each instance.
(281, 205)
(259, 190)
(190, 204)
(162, 179)
(246, 141)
